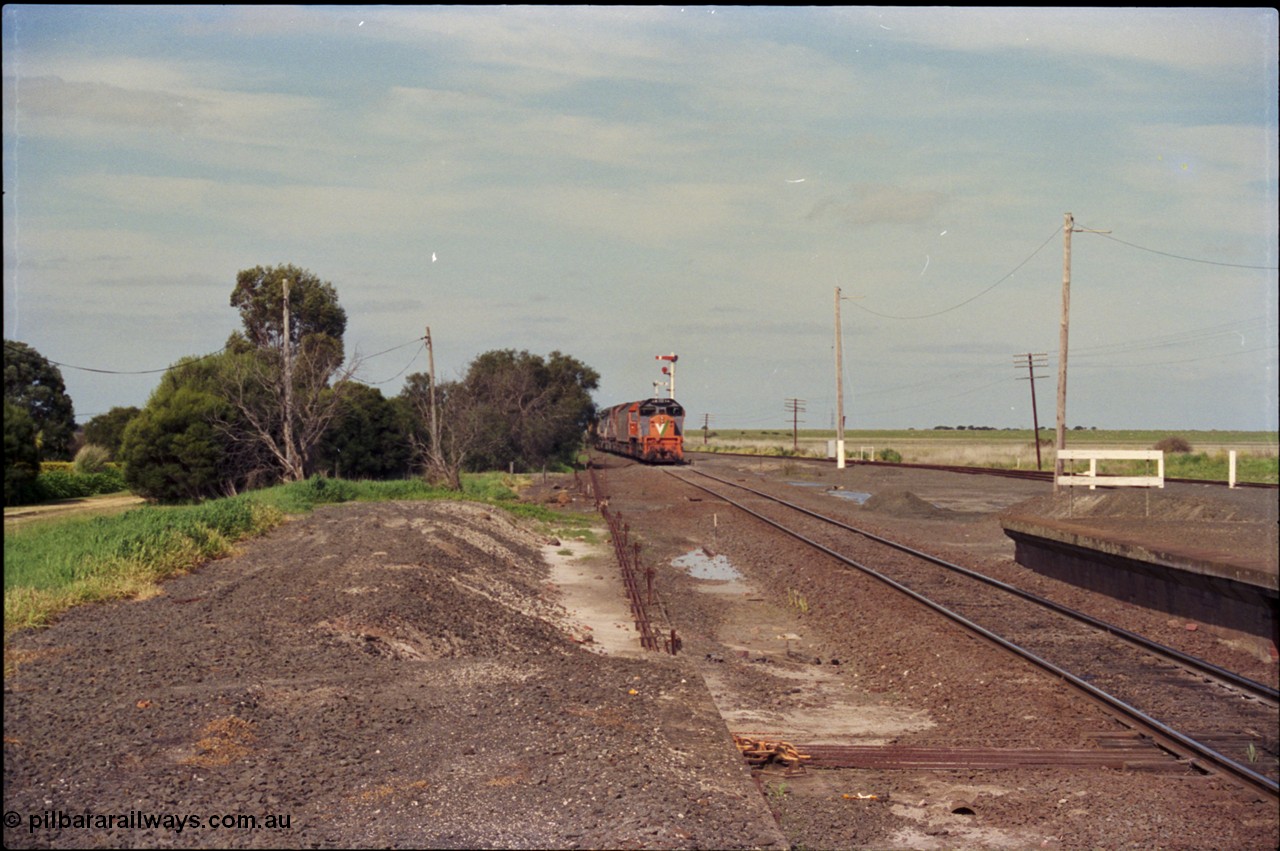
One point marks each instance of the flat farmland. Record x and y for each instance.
(1258, 451)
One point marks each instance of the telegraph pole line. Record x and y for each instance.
(435, 420)
(840, 459)
(1068, 227)
(839, 388)
(796, 407)
(290, 451)
(1034, 362)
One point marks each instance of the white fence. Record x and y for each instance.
(1093, 456)
(864, 453)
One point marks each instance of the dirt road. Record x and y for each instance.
(90, 506)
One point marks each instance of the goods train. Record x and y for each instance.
(651, 431)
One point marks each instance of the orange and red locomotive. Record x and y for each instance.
(650, 431)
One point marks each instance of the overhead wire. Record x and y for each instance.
(973, 298)
(1177, 339)
(1182, 257)
(120, 371)
(1144, 364)
(102, 371)
(417, 352)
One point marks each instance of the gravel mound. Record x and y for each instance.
(381, 674)
(901, 503)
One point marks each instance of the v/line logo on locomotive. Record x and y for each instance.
(651, 430)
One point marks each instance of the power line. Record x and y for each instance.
(102, 371)
(1191, 259)
(118, 371)
(979, 295)
(397, 348)
(1009, 275)
(1187, 337)
(401, 372)
(1233, 353)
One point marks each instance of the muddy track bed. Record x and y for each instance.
(797, 647)
(1236, 721)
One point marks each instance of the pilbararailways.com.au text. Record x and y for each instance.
(139, 820)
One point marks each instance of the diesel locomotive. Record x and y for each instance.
(651, 431)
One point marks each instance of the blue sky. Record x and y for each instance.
(617, 183)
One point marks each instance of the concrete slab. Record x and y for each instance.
(1208, 557)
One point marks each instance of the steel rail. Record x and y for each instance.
(1200, 666)
(1166, 736)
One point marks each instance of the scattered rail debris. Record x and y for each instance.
(761, 752)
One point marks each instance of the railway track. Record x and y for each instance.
(1213, 719)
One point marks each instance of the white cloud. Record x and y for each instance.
(1200, 39)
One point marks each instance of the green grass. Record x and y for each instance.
(52, 565)
(1205, 466)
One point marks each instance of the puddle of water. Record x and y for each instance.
(855, 496)
(702, 566)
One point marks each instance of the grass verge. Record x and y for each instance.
(51, 566)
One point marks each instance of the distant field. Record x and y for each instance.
(1258, 452)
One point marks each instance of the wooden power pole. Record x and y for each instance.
(796, 407)
(290, 451)
(1068, 227)
(1034, 362)
(839, 389)
(435, 420)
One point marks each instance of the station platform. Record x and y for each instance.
(1206, 555)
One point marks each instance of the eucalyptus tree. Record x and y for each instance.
(35, 384)
(511, 409)
(288, 381)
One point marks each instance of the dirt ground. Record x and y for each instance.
(89, 506)
(434, 675)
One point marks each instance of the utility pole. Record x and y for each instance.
(840, 456)
(1034, 362)
(1068, 226)
(839, 389)
(796, 407)
(290, 453)
(706, 427)
(435, 421)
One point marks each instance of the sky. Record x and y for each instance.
(617, 183)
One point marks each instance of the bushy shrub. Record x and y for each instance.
(322, 490)
(91, 458)
(893, 456)
(60, 484)
(1173, 443)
